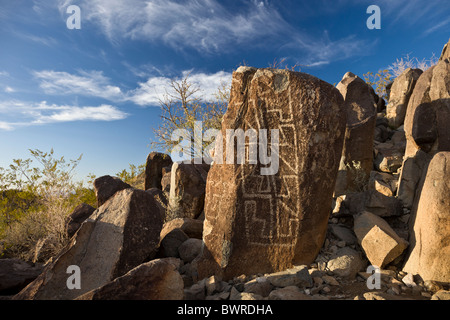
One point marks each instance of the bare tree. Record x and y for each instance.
(182, 107)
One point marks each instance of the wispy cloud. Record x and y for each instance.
(86, 83)
(148, 93)
(27, 114)
(209, 27)
(203, 25)
(8, 89)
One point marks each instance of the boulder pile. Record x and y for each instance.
(357, 207)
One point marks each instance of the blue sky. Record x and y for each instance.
(95, 91)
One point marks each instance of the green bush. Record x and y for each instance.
(36, 196)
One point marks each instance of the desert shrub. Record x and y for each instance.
(34, 203)
(384, 77)
(135, 176)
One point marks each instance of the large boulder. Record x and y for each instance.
(77, 217)
(400, 93)
(266, 217)
(357, 153)
(445, 55)
(378, 240)
(120, 235)
(156, 161)
(155, 280)
(426, 123)
(16, 274)
(187, 188)
(106, 186)
(430, 236)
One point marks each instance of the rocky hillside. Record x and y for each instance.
(357, 207)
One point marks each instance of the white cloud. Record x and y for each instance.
(202, 25)
(150, 92)
(87, 83)
(8, 89)
(153, 90)
(26, 114)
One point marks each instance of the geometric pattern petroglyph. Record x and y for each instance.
(271, 203)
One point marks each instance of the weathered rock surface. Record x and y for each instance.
(77, 217)
(266, 223)
(346, 263)
(190, 249)
(357, 155)
(297, 276)
(106, 186)
(16, 274)
(158, 279)
(187, 188)
(400, 93)
(192, 227)
(445, 55)
(288, 293)
(171, 242)
(372, 201)
(430, 237)
(410, 176)
(156, 161)
(378, 240)
(120, 235)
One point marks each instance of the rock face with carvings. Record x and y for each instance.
(272, 213)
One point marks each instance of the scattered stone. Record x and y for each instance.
(260, 286)
(346, 263)
(288, 293)
(298, 276)
(441, 295)
(330, 280)
(409, 280)
(374, 202)
(196, 292)
(433, 286)
(343, 233)
(382, 296)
